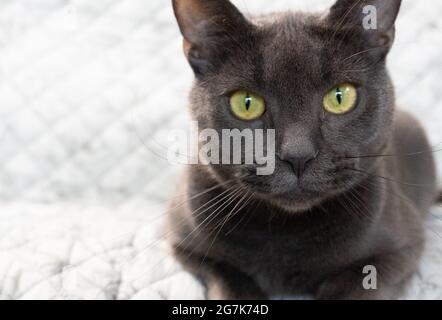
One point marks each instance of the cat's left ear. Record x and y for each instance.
(375, 19)
(212, 29)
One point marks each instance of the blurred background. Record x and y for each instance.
(88, 92)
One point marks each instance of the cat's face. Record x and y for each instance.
(295, 63)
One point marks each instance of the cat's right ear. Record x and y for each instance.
(211, 29)
(374, 18)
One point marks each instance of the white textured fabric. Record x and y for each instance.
(88, 92)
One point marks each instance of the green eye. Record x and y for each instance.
(247, 106)
(341, 99)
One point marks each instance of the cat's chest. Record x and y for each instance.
(279, 252)
(264, 246)
(276, 261)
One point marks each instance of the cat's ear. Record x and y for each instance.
(375, 19)
(211, 30)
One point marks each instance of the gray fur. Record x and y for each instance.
(361, 201)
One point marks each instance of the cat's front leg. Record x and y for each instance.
(222, 281)
(233, 287)
(381, 278)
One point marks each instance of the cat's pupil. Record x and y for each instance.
(248, 102)
(339, 95)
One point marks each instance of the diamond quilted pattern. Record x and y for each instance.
(88, 93)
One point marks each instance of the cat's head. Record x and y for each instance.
(319, 80)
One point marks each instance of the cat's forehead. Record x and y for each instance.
(287, 27)
(290, 45)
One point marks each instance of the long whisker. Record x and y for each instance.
(383, 185)
(408, 184)
(365, 209)
(375, 182)
(257, 203)
(354, 207)
(188, 199)
(378, 183)
(207, 220)
(396, 155)
(237, 194)
(220, 227)
(225, 195)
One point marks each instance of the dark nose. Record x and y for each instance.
(298, 148)
(300, 162)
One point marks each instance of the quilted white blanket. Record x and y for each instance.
(88, 92)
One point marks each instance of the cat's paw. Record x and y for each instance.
(347, 285)
(218, 291)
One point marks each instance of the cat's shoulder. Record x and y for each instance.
(405, 121)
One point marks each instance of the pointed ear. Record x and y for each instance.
(211, 29)
(375, 19)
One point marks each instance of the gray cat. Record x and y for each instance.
(354, 177)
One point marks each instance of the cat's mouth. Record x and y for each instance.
(290, 194)
(294, 206)
(294, 200)
(282, 182)
(285, 190)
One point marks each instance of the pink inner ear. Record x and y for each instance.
(186, 47)
(383, 39)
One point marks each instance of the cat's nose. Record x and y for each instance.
(298, 148)
(300, 162)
